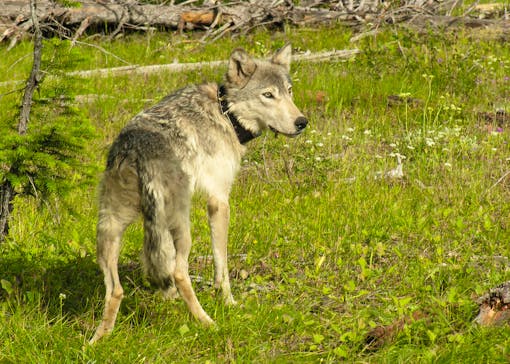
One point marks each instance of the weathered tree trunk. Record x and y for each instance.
(6, 197)
(7, 192)
(34, 78)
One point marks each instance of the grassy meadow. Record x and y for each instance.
(327, 239)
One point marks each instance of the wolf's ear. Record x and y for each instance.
(282, 56)
(240, 67)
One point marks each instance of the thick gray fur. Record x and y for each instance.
(184, 143)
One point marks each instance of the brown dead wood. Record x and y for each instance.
(219, 19)
(494, 306)
(382, 335)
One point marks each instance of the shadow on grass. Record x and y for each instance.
(70, 288)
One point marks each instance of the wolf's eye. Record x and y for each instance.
(268, 95)
(290, 90)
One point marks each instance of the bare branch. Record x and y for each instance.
(6, 197)
(34, 78)
(209, 15)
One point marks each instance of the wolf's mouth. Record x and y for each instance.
(276, 132)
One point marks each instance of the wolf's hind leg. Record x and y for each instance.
(219, 216)
(182, 237)
(109, 232)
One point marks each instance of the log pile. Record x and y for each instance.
(215, 18)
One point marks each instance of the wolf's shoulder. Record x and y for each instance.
(194, 95)
(190, 102)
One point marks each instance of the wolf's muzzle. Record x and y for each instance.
(300, 123)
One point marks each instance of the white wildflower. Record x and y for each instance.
(398, 171)
(430, 142)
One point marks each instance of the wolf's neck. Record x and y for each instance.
(244, 135)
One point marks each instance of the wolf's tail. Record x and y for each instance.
(159, 250)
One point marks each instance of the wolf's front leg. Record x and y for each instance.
(219, 214)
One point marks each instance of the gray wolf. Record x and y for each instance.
(191, 140)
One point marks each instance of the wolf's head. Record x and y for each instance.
(259, 93)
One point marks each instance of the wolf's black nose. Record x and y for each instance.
(301, 123)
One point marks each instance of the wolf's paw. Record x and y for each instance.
(170, 293)
(229, 300)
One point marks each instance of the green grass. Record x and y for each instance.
(331, 246)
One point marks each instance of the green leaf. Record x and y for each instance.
(318, 338)
(341, 351)
(183, 330)
(7, 286)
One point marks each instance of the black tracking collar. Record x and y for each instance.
(244, 135)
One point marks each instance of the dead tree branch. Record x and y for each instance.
(35, 77)
(216, 19)
(6, 197)
(7, 191)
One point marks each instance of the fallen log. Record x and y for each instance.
(218, 19)
(177, 67)
(105, 15)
